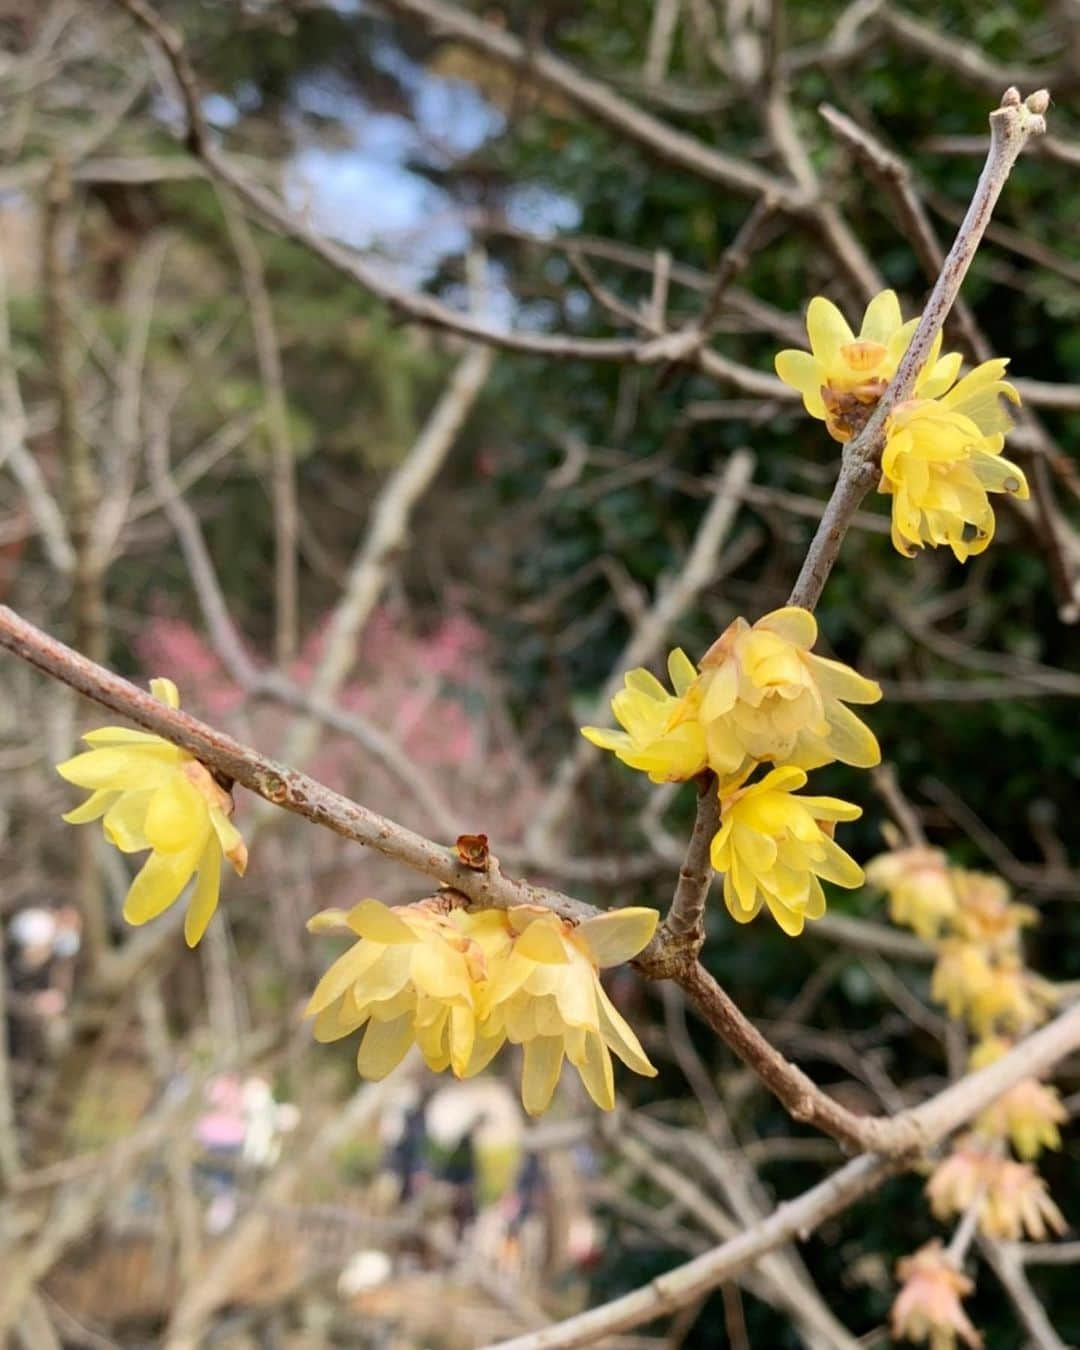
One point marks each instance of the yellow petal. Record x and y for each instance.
(836, 680)
(792, 624)
(125, 821)
(351, 966)
(827, 328)
(375, 921)
(340, 1019)
(618, 935)
(850, 740)
(681, 671)
(384, 1046)
(177, 813)
(123, 736)
(165, 692)
(438, 971)
(620, 1036)
(882, 318)
(543, 1064)
(230, 840)
(93, 808)
(204, 897)
(593, 1063)
(163, 877)
(462, 1039)
(121, 768)
(327, 921)
(803, 372)
(541, 942)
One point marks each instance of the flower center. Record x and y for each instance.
(863, 356)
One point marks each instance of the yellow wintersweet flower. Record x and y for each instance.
(547, 997)
(763, 695)
(660, 738)
(928, 1306)
(957, 1181)
(772, 848)
(1018, 1204)
(150, 794)
(942, 457)
(412, 977)
(989, 994)
(985, 913)
(1028, 1114)
(919, 888)
(842, 377)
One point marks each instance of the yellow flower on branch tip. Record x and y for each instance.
(764, 695)
(547, 997)
(1018, 1204)
(773, 847)
(989, 994)
(920, 890)
(842, 377)
(659, 738)
(1028, 1114)
(150, 794)
(928, 1306)
(942, 458)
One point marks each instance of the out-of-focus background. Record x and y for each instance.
(453, 546)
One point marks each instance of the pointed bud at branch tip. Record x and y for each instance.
(1011, 97)
(1038, 102)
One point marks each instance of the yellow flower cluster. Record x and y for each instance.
(1012, 1198)
(928, 1306)
(149, 794)
(980, 976)
(760, 696)
(459, 984)
(942, 453)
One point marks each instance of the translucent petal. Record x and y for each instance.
(340, 1019)
(758, 851)
(163, 877)
(176, 815)
(836, 680)
(645, 682)
(935, 379)
(620, 1036)
(93, 808)
(165, 691)
(805, 373)
(839, 867)
(606, 738)
(543, 1064)
(439, 971)
(881, 319)
(721, 689)
(784, 778)
(484, 1050)
(831, 808)
(120, 768)
(734, 904)
(230, 840)
(850, 740)
(353, 965)
(462, 1038)
(792, 921)
(618, 935)
(384, 1046)
(593, 1063)
(125, 736)
(204, 897)
(827, 328)
(542, 942)
(681, 671)
(375, 921)
(793, 624)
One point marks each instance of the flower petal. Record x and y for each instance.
(377, 922)
(121, 768)
(543, 1064)
(165, 691)
(827, 328)
(93, 808)
(881, 319)
(204, 897)
(618, 935)
(384, 1046)
(163, 877)
(793, 624)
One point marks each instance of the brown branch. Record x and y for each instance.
(414, 305)
(1011, 126)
